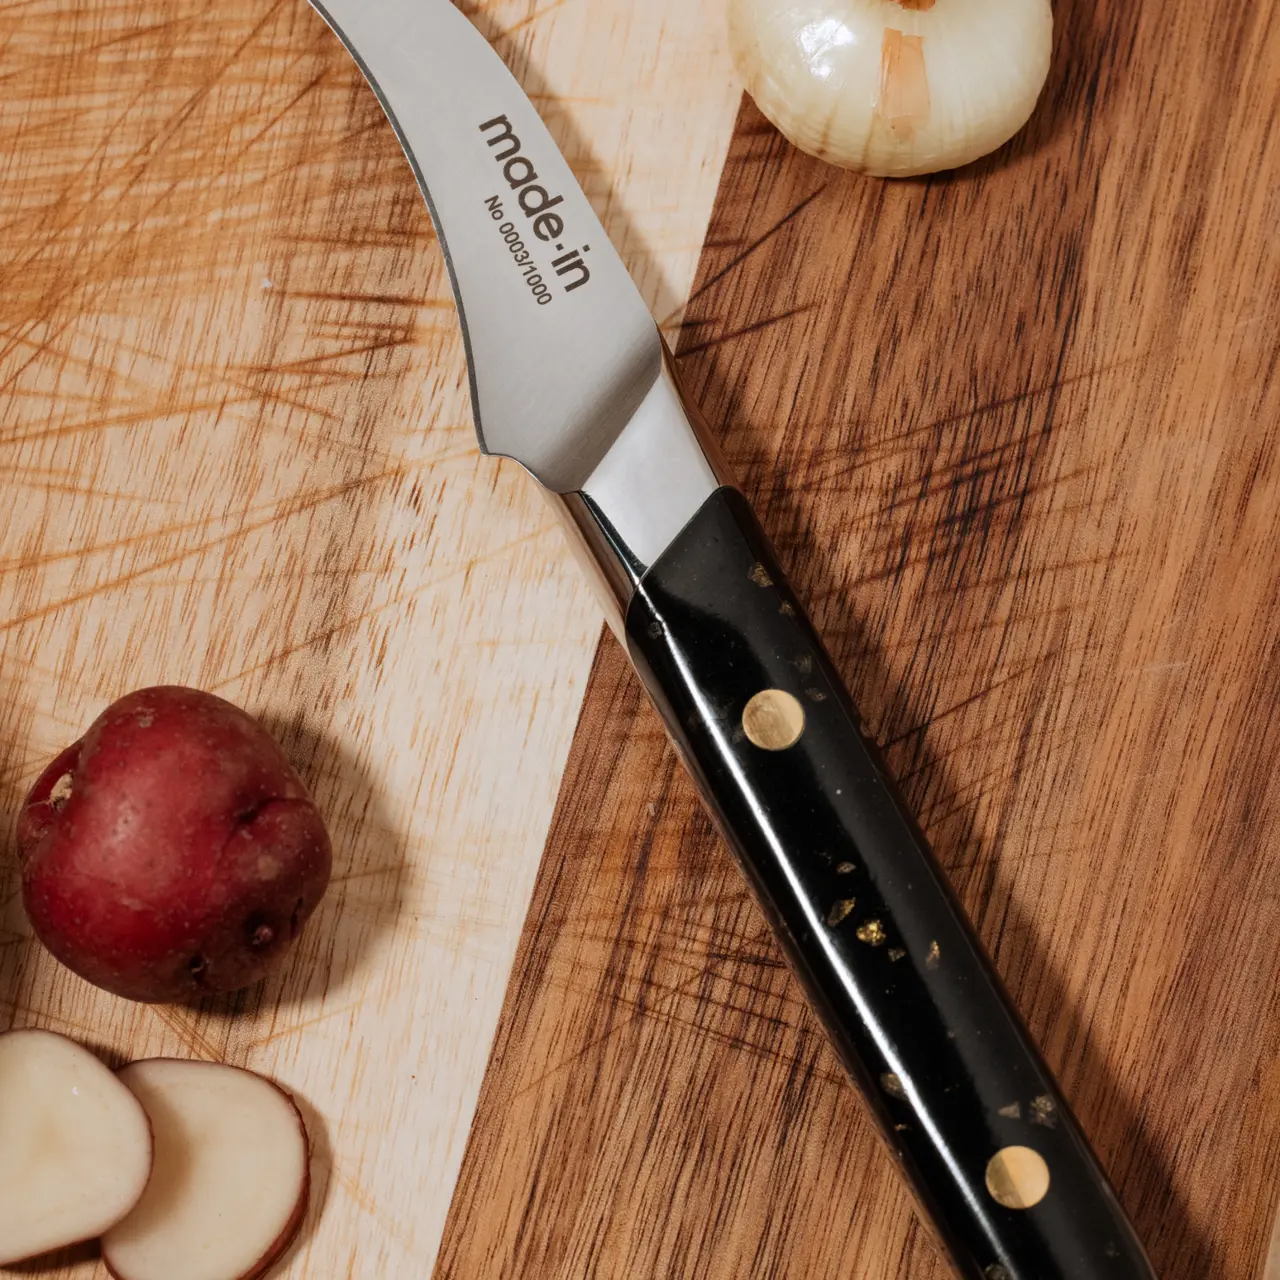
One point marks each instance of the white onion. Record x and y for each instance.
(894, 87)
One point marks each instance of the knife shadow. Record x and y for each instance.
(1109, 1116)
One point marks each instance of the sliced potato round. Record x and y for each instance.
(231, 1179)
(77, 1146)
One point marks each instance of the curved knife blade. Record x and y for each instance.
(561, 347)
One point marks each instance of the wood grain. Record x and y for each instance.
(236, 452)
(1017, 431)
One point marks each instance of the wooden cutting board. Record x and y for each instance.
(1017, 431)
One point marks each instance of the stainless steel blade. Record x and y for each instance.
(561, 347)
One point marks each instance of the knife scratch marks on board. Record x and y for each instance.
(758, 243)
(1034, 667)
(409, 301)
(310, 365)
(297, 1028)
(559, 100)
(88, 281)
(262, 394)
(49, 480)
(756, 327)
(536, 16)
(401, 603)
(368, 1204)
(275, 120)
(113, 584)
(369, 873)
(278, 511)
(964, 804)
(147, 154)
(639, 1010)
(75, 553)
(983, 485)
(197, 1044)
(836, 465)
(50, 1021)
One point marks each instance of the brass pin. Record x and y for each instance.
(1018, 1178)
(773, 720)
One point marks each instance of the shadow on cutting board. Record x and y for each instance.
(371, 871)
(321, 1175)
(1112, 1120)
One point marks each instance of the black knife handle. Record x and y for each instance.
(897, 974)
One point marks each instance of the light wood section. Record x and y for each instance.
(236, 452)
(1017, 432)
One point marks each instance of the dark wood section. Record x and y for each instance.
(1016, 432)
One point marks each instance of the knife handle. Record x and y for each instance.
(911, 1003)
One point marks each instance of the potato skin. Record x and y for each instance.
(173, 852)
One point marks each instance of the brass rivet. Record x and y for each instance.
(1018, 1177)
(773, 720)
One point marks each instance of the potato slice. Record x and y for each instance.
(231, 1179)
(77, 1146)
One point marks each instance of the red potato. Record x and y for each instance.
(172, 852)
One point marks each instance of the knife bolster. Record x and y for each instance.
(656, 477)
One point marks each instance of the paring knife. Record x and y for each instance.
(570, 378)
